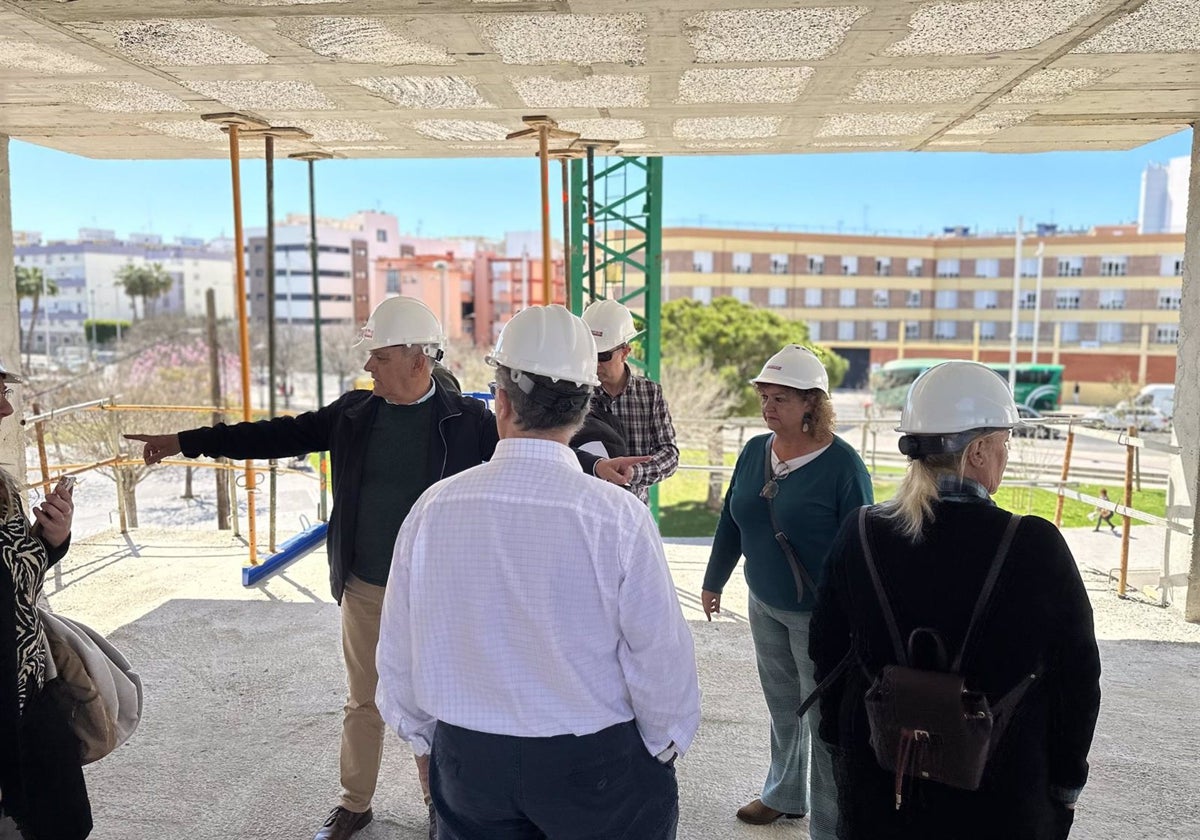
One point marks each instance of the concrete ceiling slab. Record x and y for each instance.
(451, 78)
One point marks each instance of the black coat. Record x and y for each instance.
(463, 436)
(1039, 614)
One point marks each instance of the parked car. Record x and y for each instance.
(1033, 425)
(1143, 418)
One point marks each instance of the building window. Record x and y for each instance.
(812, 297)
(879, 330)
(1113, 266)
(1070, 331)
(741, 293)
(1029, 267)
(845, 331)
(381, 236)
(847, 297)
(1110, 332)
(1066, 299)
(742, 262)
(912, 329)
(779, 263)
(1172, 265)
(814, 330)
(880, 296)
(916, 265)
(945, 329)
(986, 300)
(849, 266)
(816, 265)
(1028, 300)
(1169, 298)
(987, 268)
(1166, 334)
(702, 294)
(1024, 331)
(1112, 298)
(913, 300)
(776, 297)
(947, 268)
(987, 330)
(945, 299)
(393, 281)
(1070, 266)
(702, 262)
(883, 266)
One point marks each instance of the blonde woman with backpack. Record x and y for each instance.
(1003, 633)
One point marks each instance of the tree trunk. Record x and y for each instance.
(130, 485)
(716, 458)
(187, 484)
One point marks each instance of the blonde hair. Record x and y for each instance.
(824, 418)
(912, 506)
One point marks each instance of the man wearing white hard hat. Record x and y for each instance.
(557, 699)
(386, 447)
(635, 401)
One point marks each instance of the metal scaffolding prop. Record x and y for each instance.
(616, 214)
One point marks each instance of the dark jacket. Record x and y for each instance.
(1039, 616)
(463, 436)
(41, 779)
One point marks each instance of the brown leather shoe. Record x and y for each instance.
(756, 813)
(340, 824)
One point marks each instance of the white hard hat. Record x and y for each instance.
(611, 324)
(796, 367)
(403, 321)
(548, 341)
(8, 376)
(957, 396)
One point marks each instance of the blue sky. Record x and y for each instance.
(907, 193)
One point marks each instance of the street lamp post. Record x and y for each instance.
(441, 266)
(1016, 315)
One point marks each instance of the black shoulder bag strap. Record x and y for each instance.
(799, 574)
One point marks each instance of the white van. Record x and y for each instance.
(1161, 397)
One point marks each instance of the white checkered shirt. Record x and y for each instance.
(527, 598)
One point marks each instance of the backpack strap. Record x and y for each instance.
(889, 617)
(989, 584)
(799, 574)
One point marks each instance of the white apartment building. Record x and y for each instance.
(1163, 205)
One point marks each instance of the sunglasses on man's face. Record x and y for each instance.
(607, 355)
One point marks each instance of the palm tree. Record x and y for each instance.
(31, 283)
(148, 282)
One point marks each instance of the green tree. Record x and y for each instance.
(148, 282)
(31, 283)
(736, 338)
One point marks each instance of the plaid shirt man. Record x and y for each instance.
(648, 430)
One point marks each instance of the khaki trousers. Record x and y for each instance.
(362, 726)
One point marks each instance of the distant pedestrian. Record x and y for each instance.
(1104, 515)
(1076, 393)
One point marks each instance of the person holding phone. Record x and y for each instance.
(42, 792)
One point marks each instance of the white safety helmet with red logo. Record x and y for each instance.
(796, 367)
(611, 324)
(403, 321)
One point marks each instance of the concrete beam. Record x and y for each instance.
(1185, 479)
(12, 449)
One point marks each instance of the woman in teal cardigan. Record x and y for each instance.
(813, 480)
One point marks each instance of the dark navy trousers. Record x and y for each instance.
(603, 786)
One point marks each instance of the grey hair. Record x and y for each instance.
(533, 416)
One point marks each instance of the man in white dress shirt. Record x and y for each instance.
(531, 636)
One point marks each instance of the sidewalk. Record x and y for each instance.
(244, 693)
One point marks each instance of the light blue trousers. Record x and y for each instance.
(800, 780)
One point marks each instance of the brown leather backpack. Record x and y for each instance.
(926, 723)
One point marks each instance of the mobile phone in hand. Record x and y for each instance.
(65, 483)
